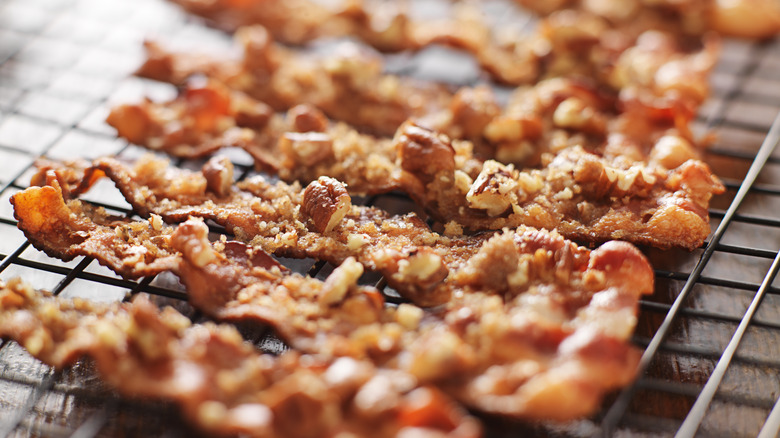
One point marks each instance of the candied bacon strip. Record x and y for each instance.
(561, 310)
(386, 27)
(220, 382)
(583, 196)
(568, 310)
(299, 147)
(61, 231)
(577, 39)
(347, 84)
(754, 19)
(647, 64)
(302, 146)
(580, 194)
(273, 217)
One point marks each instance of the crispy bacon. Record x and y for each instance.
(299, 147)
(639, 107)
(755, 19)
(567, 310)
(347, 84)
(273, 216)
(582, 195)
(221, 383)
(386, 27)
(133, 250)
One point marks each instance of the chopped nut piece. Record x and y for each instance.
(422, 152)
(473, 109)
(340, 280)
(409, 315)
(307, 118)
(306, 148)
(252, 114)
(495, 189)
(219, 175)
(671, 151)
(155, 220)
(576, 114)
(423, 267)
(326, 202)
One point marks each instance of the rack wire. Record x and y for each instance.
(711, 330)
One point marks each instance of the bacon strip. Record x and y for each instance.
(755, 19)
(529, 310)
(273, 217)
(651, 65)
(222, 384)
(347, 85)
(578, 39)
(563, 308)
(62, 231)
(661, 87)
(583, 196)
(548, 119)
(300, 147)
(386, 27)
(580, 194)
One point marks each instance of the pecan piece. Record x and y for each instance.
(306, 148)
(307, 118)
(473, 109)
(326, 202)
(254, 115)
(218, 172)
(340, 281)
(423, 267)
(422, 152)
(495, 189)
(574, 113)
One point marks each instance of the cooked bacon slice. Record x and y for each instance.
(348, 84)
(386, 27)
(640, 107)
(553, 117)
(273, 217)
(563, 309)
(580, 194)
(299, 147)
(741, 18)
(221, 383)
(133, 250)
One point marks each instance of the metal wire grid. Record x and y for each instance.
(61, 61)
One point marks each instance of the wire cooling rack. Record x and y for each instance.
(711, 330)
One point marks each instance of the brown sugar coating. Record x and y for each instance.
(564, 309)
